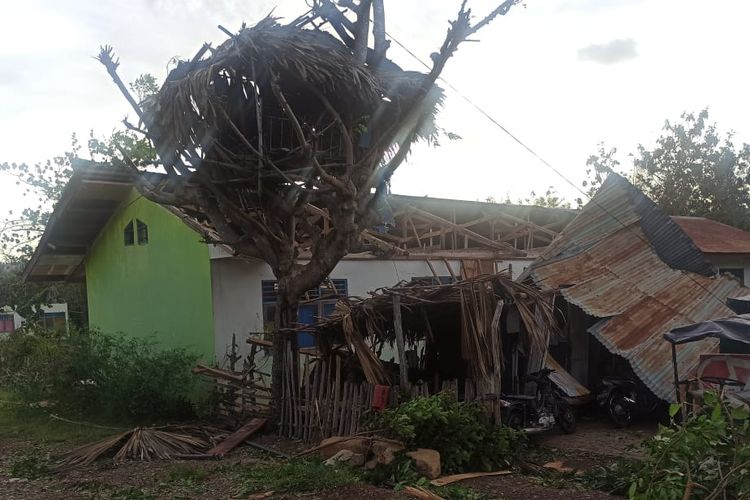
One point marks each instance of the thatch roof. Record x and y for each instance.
(189, 109)
(476, 303)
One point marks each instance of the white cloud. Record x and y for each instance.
(614, 51)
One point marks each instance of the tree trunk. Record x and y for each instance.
(285, 319)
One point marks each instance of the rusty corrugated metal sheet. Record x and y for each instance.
(565, 380)
(714, 237)
(607, 264)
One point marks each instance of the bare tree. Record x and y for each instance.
(284, 138)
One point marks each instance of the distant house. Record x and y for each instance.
(726, 247)
(53, 317)
(148, 271)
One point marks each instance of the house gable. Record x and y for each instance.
(158, 288)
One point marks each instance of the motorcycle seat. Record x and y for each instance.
(519, 397)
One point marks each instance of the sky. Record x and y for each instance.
(561, 75)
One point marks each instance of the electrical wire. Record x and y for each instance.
(545, 162)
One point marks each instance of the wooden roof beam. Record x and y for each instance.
(457, 228)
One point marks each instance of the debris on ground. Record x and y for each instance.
(145, 444)
(426, 461)
(446, 480)
(237, 437)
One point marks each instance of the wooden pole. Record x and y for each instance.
(398, 327)
(676, 374)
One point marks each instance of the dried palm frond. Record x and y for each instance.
(142, 443)
(371, 365)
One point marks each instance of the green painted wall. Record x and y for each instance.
(161, 289)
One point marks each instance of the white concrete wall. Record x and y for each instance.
(238, 302)
(731, 261)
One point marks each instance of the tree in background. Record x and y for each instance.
(693, 170)
(41, 186)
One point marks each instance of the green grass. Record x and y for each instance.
(30, 467)
(19, 421)
(295, 475)
(188, 476)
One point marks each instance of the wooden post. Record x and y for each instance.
(398, 327)
(676, 374)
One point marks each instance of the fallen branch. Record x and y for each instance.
(442, 481)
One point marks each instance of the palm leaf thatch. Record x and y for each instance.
(479, 301)
(142, 443)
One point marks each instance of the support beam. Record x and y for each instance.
(467, 233)
(403, 369)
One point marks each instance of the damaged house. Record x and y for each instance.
(149, 272)
(626, 273)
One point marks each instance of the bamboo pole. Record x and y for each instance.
(400, 345)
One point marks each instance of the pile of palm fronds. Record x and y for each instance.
(144, 443)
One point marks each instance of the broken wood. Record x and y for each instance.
(442, 481)
(421, 493)
(219, 373)
(237, 437)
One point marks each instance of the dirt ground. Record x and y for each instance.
(595, 443)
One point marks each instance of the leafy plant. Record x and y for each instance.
(708, 456)
(457, 430)
(93, 373)
(296, 476)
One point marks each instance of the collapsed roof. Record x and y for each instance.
(626, 262)
(420, 227)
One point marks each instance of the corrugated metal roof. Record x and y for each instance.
(607, 263)
(714, 237)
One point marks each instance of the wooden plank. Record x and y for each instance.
(237, 437)
(400, 345)
(467, 233)
(445, 480)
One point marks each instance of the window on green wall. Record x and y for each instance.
(142, 232)
(129, 235)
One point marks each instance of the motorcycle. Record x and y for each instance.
(625, 399)
(540, 412)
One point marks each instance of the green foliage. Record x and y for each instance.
(144, 86)
(708, 454)
(188, 476)
(692, 170)
(93, 373)
(457, 430)
(28, 468)
(295, 476)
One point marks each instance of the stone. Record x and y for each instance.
(341, 456)
(385, 452)
(347, 457)
(356, 460)
(426, 461)
(335, 444)
(371, 464)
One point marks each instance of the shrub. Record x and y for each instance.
(708, 456)
(457, 430)
(108, 375)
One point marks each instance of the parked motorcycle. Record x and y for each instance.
(540, 412)
(624, 399)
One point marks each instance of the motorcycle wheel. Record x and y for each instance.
(619, 410)
(515, 420)
(566, 418)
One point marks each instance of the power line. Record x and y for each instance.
(543, 161)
